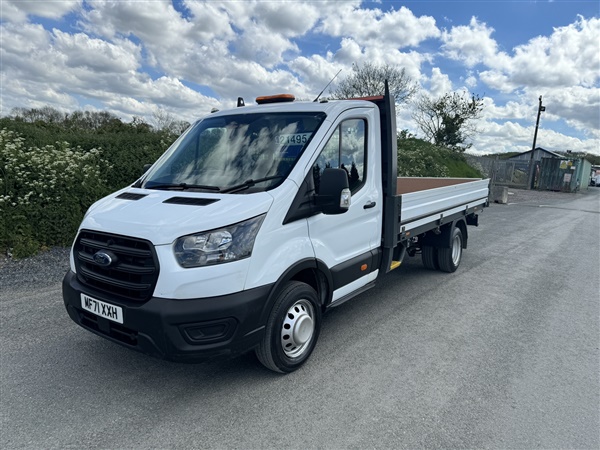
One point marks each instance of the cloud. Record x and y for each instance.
(568, 57)
(577, 105)
(258, 44)
(513, 110)
(19, 93)
(288, 19)
(316, 70)
(40, 67)
(396, 28)
(439, 83)
(21, 10)
(510, 136)
(133, 60)
(471, 44)
(79, 50)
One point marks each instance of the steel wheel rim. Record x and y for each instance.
(298, 329)
(456, 250)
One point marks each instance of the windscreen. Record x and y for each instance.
(235, 153)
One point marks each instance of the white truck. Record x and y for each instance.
(254, 223)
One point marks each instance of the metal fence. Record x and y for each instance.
(503, 172)
(549, 174)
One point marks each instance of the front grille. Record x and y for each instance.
(133, 273)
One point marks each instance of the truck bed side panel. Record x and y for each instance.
(404, 185)
(420, 205)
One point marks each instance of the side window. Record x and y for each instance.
(346, 149)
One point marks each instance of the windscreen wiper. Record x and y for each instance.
(183, 187)
(249, 183)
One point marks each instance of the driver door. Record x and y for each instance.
(346, 242)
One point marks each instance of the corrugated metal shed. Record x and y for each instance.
(564, 174)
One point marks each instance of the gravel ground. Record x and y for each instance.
(502, 354)
(50, 266)
(43, 269)
(525, 196)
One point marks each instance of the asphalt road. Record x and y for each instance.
(502, 354)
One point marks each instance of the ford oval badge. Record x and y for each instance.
(104, 258)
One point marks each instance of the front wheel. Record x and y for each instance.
(292, 328)
(449, 258)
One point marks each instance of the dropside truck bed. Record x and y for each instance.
(424, 208)
(425, 202)
(420, 207)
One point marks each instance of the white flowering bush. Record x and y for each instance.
(45, 191)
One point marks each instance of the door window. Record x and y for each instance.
(346, 149)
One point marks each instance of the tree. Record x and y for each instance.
(369, 80)
(140, 125)
(90, 120)
(448, 120)
(165, 122)
(45, 114)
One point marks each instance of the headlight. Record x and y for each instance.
(226, 244)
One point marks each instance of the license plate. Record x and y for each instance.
(102, 309)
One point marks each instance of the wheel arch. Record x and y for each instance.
(462, 225)
(444, 239)
(310, 271)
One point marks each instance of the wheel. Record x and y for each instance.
(292, 328)
(449, 258)
(429, 255)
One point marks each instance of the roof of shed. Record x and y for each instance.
(556, 155)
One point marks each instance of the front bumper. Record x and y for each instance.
(178, 330)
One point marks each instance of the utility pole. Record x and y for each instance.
(531, 162)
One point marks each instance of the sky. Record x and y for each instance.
(184, 57)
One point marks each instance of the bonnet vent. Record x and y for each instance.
(192, 201)
(130, 196)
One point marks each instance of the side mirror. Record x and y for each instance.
(146, 168)
(334, 194)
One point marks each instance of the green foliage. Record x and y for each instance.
(504, 155)
(126, 146)
(594, 159)
(448, 120)
(44, 192)
(419, 158)
(53, 166)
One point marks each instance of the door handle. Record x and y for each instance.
(369, 205)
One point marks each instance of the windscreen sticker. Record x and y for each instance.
(292, 139)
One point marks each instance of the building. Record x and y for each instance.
(564, 174)
(553, 171)
(538, 154)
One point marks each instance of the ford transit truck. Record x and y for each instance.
(254, 223)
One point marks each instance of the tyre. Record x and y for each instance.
(292, 328)
(429, 255)
(449, 258)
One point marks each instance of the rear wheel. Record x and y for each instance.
(292, 329)
(429, 255)
(449, 258)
